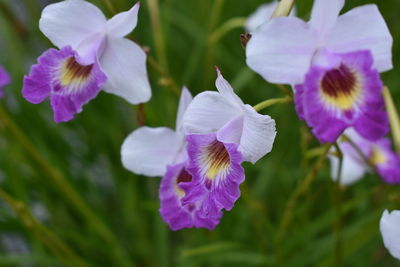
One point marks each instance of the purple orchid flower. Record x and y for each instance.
(222, 132)
(162, 152)
(343, 90)
(283, 49)
(354, 167)
(5, 79)
(93, 55)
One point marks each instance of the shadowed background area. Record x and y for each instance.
(90, 211)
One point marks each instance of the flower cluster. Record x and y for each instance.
(201, 160)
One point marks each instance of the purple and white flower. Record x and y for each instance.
(262, 15)
(283, 49)
(222, 132)
(162, 152)
(380, 154)
(390, 230)
(5, 79)
(93, 55)
(343, 90)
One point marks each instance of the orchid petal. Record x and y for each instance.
(184, 101)
(258, 135)
(70, 22)
(124, 63)
(208, 112)
(123, 23)
(148, 151)
(389, 226)
(350, 33)
(232, 131)
(226, 90)
(281, 50)
(352, 170)
(324, 15)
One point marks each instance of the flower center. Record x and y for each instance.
(184, 177)
(377, 156)
(217, 159)
(340, 87)
(72, 72)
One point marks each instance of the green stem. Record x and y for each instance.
(283, 8)
(48, 238)
(393, 117)
(65, 187)
(225, 28)
(338, 208)
(269, 102)
(157, 31)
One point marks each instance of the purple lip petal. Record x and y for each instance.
(173, 210)
(386, 161)
(217, 174)
(347, 94)
(69, 85)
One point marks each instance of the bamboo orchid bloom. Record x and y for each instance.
(389, 226)
(5, 79)
(162, 152)
(342, 91)
(93, 55)
(380, 154)
(262, 15)
(222, 132)
(283, 49)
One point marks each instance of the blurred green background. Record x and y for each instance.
(90, 211)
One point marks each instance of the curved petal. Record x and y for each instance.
(350, 32)
(124, 63)
(70, 22)
(123, 23)
(352, 170)
(258, 135)
(324, 15)
(281, 50)
(389, 226)
(184, 101)
(226, 90)
(208, 112)
(148, 151)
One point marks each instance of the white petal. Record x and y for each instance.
(70, 22)
(123, 23)
(324, 14)
(232, 131)
(124, 63)
(90, 48)
(262, 15)
(208, 112)
(281, 50)
(184, 101)
(226, 90)
(363, 28)
(148, 151)
(258, 135)
(390, 231)
(352, 170)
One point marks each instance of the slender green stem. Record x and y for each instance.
(300, 189)
(110, 6)
(283, 8)
(48, 238)
(338, 208)
(393, 117)
(229, 25)
(359, 152)
(269, 102)
(158, 34)
(166, 80)
(65, 187)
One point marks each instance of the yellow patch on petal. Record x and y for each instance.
(378, 156)
(183, 176)
(341, 88)
(73, 73)
(216, 159)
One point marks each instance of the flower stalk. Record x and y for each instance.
(393, 117)
(283, 8)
